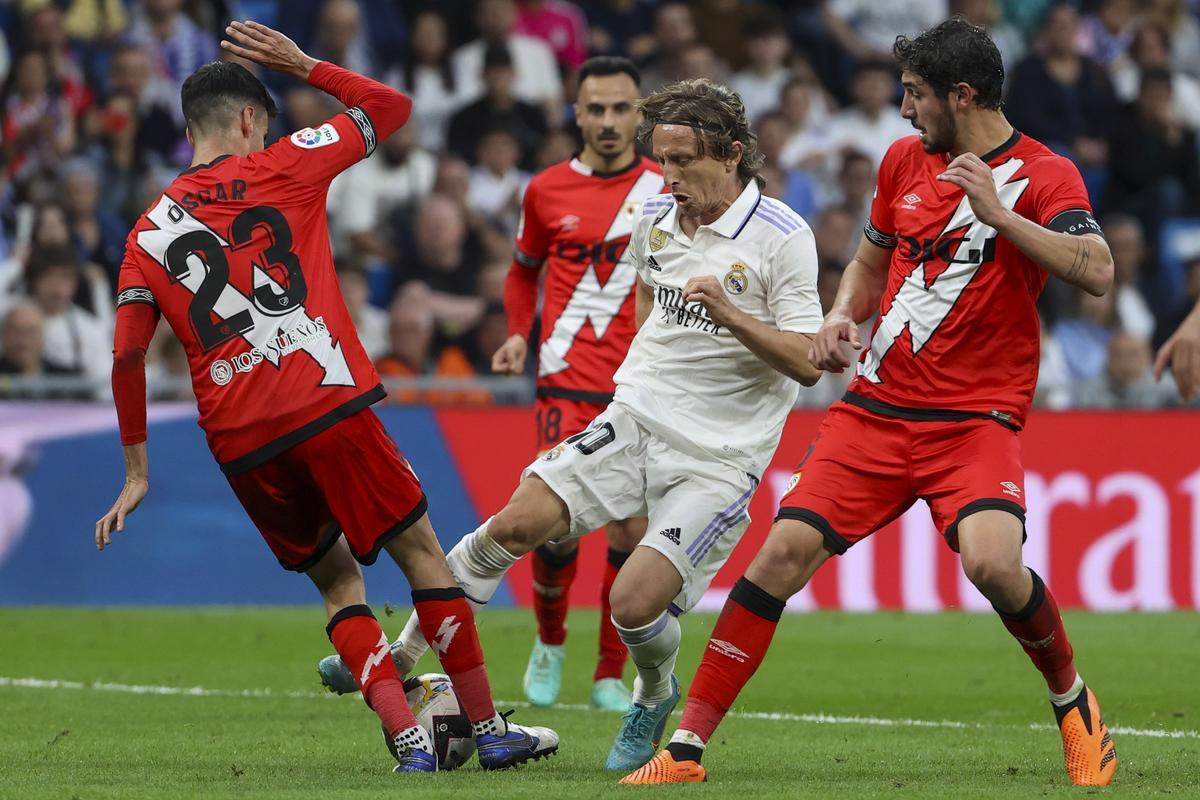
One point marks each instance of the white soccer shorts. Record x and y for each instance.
(698, 508)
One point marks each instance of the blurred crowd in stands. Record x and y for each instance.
(422, 232)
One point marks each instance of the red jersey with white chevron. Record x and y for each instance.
(235, 254)
(579, 222)
(958, 327)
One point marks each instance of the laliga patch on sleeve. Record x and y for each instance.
(311, 138)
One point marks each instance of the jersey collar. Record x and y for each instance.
(729, 224)
(584, 169)
(212, 163)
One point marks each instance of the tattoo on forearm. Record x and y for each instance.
(1079, 267)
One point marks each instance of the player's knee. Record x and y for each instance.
(992, 574)
(787, 558)
(632, 609)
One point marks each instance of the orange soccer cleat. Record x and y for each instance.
(663, 768)
(1087, 745)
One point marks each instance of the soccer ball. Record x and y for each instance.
(436, 707)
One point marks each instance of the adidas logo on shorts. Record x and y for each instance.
(670, 533)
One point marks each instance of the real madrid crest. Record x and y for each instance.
(554, 453)
(736, 279)
(658, 239)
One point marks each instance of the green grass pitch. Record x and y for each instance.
(89, 742)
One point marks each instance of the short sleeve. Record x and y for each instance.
(533, 238)
(637, 246)
(314, 156)
(1059, 198)
(792, 284)
(881, 226)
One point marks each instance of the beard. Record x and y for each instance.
(947, 131)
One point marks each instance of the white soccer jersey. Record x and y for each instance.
(690, 380)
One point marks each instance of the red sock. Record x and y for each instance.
(363, 646)
(449, 626)
(738, 644)
(552, 577)
(1039, 628)
(613, 651)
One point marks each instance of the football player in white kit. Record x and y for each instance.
(726, 307)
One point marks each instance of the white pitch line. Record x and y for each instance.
(767, 716)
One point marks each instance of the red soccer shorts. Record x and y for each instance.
(348, 479)
(558, 418)
(864, 470)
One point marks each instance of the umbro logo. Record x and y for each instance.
(1011, 488)
(911, 200)
(653, 264)
(671, 534)
(726, 649)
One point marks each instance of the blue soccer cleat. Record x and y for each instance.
(516, 745)
(417, 761)
(641, 731)
(543, 676)
(412, 749)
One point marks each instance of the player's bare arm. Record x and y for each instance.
(785, 351)
(857, 299)
(1182, 353)
(268, 48)
(137, 484)
(1082, 261)
(643, 302)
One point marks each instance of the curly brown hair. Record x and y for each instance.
(717, 115)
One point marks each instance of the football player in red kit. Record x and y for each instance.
(968, 220)
(576, 220)
(235, 254)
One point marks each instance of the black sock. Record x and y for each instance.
(685, 752)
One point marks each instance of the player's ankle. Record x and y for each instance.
(686, 746)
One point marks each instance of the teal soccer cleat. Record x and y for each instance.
(641, 731)
(610, 694)
(543, 676)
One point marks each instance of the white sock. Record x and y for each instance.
(687, 737)
(653, 649)
(414, 738)
(1069, 695)
(496, 726)
(478, 564)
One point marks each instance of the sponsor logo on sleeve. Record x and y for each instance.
(658, 239)
(312, 138)
(671, 534)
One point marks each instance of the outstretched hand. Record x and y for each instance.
(268, 48)
(132, 494)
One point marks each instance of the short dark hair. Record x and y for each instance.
(603, 66)
(767, 22)
(1153, 75)
(214, 94)
(954, 51)
(46, 257)
(496, 54)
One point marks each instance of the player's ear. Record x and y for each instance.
(963, 94)
(736, 151)
(248, 120)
